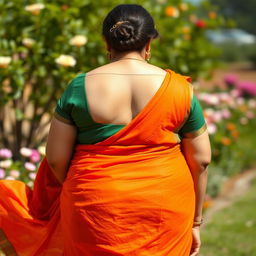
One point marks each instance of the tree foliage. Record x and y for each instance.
(242, 12)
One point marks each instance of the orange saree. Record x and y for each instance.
(131, 194)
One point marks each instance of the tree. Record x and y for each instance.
(242, 12)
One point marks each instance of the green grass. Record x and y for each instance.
(232, 231)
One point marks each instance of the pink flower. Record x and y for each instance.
(247, 88)
(5, 153)
(35, 156)
(217, 116)
(15, 174)
(225, 113)
(30, 166)
(211, 128)
(235, 93)
(230, 79)
(27, 152)
(2, 173)
(250, 115)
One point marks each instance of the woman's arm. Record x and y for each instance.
(59, 148)
(197, 152)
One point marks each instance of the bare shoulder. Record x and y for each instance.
(122, 68)
(100, 69)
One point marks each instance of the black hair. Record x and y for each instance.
(128, 27)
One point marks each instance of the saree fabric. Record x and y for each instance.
(130, 194)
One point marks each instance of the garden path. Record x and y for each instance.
(231, 191)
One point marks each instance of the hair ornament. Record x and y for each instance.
(118, 24)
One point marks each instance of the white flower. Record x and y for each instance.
(30, 183)
(28, 42)
(66, 61)
(27, 152)
(6, 163)
(35, 8)
(32, 175)
(78, 40)
(5, 61)
(41, 150)
(9, 178)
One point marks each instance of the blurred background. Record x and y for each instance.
(44, 44)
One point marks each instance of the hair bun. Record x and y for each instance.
(128, 28)
(124, 32)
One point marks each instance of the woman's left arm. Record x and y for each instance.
(59, 148)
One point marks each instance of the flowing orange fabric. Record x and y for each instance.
(131, 194)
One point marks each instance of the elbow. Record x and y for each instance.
(204, 163)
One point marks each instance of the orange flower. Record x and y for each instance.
(172, 12)
(230, 127)
(235, 134)
(226, 141)
(212, 15)
(207, 204)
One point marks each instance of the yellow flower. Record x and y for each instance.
(183, 7)
(212, 15)
(78, 40)
(28, 42)
(42, 150)
(185, 30)
(66, 60)
(172, 12)
(5, 61)
(35, 8)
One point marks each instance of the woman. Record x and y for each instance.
(129, 151)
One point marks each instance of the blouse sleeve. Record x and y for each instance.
(195, 124)
(64, 106)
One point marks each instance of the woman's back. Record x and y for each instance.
(118, 91)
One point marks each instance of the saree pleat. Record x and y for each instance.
(131, 194)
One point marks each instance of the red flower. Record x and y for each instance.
(200, 24)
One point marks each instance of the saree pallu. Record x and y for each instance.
(131, 194)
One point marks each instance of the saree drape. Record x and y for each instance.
(131, 194)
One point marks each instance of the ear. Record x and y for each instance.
(108, 48)
(148, 45)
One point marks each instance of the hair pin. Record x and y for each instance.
(118, 24)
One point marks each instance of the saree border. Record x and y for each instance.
(5, 245)
(62, 119)
(195, 133)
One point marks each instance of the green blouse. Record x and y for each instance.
(72, 108)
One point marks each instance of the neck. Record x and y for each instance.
(130, 55)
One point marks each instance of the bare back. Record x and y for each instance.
(118, 91)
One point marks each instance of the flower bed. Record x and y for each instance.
(230, 116)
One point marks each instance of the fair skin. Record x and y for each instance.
(122, 98)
